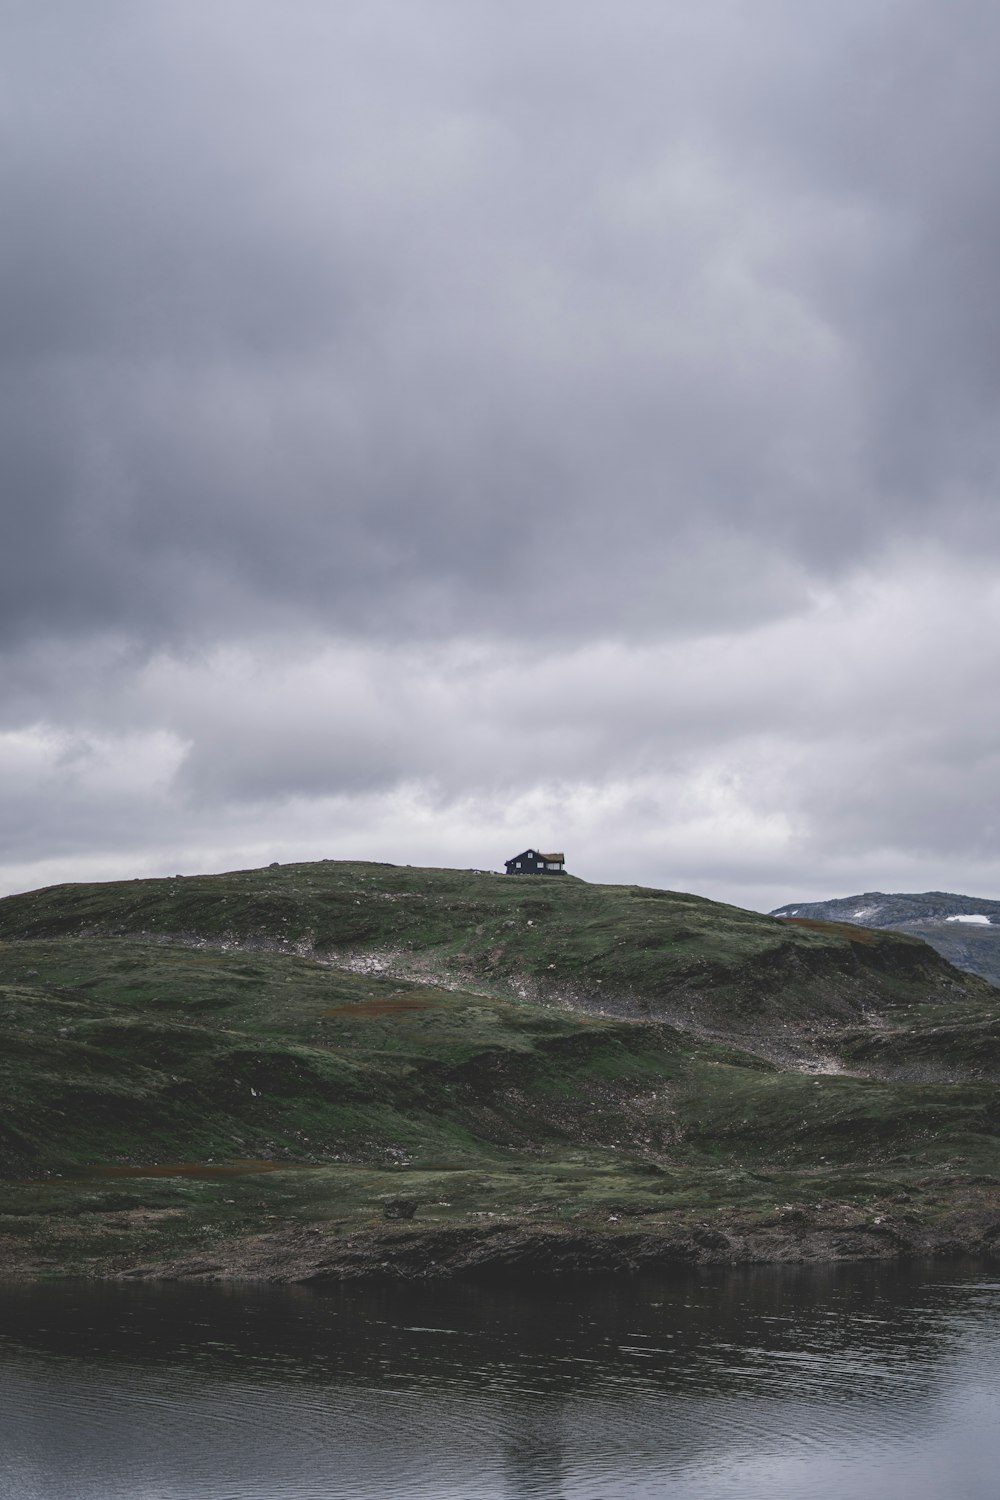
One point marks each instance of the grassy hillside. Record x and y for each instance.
(635, 951)
(217, 1055)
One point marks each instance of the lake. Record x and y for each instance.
(790, 1384)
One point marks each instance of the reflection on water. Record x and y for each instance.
(799, 1384)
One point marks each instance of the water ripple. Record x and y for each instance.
(878, 1385)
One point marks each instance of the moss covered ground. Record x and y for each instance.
(189, 1061)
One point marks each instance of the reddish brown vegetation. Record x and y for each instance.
(842, 929)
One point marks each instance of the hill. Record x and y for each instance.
(963, 929)
(341, 1069)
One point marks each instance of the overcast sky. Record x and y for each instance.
(430, 429)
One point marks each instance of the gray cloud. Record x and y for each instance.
(376, 380)
(383, 321)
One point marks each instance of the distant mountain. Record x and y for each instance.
(964, 929)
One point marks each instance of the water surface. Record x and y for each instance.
(875, 1383)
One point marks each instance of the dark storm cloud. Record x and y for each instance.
(427, 424)
(421, 320)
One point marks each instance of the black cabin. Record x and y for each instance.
(531, 862)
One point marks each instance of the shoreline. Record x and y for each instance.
(513, 1250)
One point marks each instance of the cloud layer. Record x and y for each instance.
(430, 428)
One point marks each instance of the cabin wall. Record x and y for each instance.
(531, 866)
